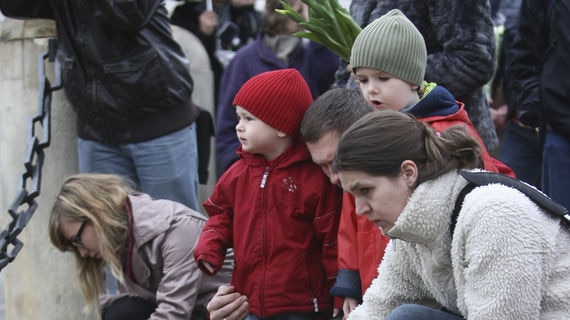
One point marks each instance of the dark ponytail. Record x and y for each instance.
(379, 142)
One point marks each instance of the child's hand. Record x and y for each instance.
(208, 266)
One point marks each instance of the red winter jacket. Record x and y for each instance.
(441, 123)
(361, 247)
(281, 218)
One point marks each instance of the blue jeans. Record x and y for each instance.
(521, 150)
(165, 167)
(419, 312)
(556, 167)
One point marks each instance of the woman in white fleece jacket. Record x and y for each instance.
(506, 259)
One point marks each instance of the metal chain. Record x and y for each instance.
(38, 138)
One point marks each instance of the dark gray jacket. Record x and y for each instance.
(540, 64)
(122, 71)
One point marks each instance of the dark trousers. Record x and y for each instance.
(135, 308)
(132, 308)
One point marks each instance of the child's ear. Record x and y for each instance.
(281, 134)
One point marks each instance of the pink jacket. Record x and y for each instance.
(164, 271)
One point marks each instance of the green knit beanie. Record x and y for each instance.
(394, 45)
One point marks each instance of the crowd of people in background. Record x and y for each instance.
(341, 186)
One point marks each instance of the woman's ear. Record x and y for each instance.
(409, 172)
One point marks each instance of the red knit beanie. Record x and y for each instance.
(279, 98)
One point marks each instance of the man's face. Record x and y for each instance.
(322, 152)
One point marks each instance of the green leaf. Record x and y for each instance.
(329, 24)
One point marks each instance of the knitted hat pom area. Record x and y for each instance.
(279, 98)
(392, 44)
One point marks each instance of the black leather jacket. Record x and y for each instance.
(122, 71)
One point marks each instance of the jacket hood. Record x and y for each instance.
(436, 101)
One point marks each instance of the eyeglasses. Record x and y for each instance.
(76, 240)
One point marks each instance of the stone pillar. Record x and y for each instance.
(39, 283)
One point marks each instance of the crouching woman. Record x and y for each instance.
(506, 258)
(147, 244)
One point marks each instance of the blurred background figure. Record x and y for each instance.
(521, 146)
(223, 26)
(540, 64)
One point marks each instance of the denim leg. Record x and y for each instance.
(521, 150)
(167, 167)
(419, 312)
(556, 168)
(96, 157)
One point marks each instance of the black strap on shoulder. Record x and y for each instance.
(458, 204)
(483, 178)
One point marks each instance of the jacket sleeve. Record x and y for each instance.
(462, 55)
(327, 217)
(127, 15)
(505, 256)
(181, 281)
(524, 59)
(348, 282)
(217, 235)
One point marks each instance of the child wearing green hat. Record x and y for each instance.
(389, 60)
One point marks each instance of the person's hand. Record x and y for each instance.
(208, 266)
(228, 304)
(337, 314)
(349, 305)
(499, 116)
(208, 22)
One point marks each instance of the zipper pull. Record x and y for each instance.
(316, 304)
(264, 179)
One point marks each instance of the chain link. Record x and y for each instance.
(38, 138)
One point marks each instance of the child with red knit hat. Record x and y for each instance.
(274, 207)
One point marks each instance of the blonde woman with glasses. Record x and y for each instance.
(147, 244)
